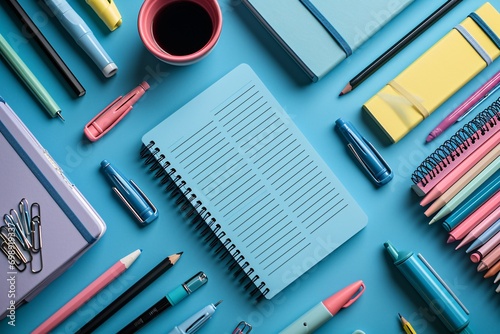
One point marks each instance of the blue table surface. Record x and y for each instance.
(393, 210)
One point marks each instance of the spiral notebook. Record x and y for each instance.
(237, 160)
(483, 131)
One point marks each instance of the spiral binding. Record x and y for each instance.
(212, 232)
(464, 138)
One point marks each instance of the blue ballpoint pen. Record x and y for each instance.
(196, 321)
(130, 194)
(366, 154)
(82, 34)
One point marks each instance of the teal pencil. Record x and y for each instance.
(467, 190)
(29, 79)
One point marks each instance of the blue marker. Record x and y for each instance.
(82, 34)
(130, 194)
(366, 154)
(438, 296)
(479, 196)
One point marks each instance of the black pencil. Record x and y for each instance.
(47, 48)
(131, 292)
(398, 46)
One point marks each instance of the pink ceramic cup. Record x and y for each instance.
(147, 14)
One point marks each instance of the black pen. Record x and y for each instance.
(172, 298)
(47, 48)
(130, 293)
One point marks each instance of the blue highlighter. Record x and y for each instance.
(438, 296)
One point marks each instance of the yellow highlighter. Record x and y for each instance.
(406, 325)
(107, 11)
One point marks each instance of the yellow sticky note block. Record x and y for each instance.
(435, 76)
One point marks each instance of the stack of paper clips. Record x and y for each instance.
(21, 237)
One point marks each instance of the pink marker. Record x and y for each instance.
(112, 114)
(326, 309)
(486, 248)
(86, 294)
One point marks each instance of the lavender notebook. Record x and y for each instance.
(69, 225)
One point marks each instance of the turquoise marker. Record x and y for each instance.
(438, 296)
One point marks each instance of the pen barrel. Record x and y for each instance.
(435, 294)
(29, 79)
(146, 316)
(309, 321)
(82, 34)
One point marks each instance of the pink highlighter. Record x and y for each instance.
(112, 114)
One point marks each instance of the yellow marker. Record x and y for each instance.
(406, 325)
(107, 11)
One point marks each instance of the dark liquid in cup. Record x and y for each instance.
(182, 28)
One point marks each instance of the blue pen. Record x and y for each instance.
(366, 154)
(485, 236)
(439, 297)
(479, 196)
(130, 194)
(82, 34)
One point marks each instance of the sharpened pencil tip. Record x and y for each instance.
(346, 89)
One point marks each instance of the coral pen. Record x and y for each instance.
(325, 310)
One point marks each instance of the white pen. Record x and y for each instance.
(196, 321)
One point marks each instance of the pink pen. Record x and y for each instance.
(467, 106)
(112, 114)
(326, 309)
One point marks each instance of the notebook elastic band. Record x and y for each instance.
(475, 45)
(328, 26)
(486, 29)
(410, 97)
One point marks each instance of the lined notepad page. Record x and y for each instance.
(272, 194)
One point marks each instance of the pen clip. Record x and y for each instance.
(427, 264)
(197, 323)
(363, 163)
(355, 296)
(130, 207)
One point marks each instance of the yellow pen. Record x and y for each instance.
(406, 325)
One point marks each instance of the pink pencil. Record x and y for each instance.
(86, 294)
(493, 271)
(472, 220)
(485, 249)
(481, 227)
(490, 259)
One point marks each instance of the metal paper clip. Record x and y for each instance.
(36, 236)
(242, 328)
(11, 247)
